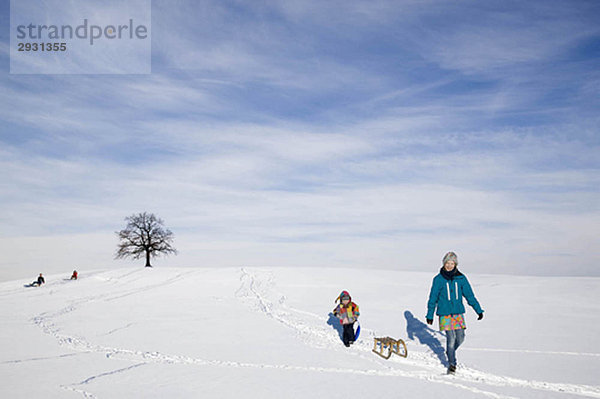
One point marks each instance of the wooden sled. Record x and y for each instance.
(392, 345)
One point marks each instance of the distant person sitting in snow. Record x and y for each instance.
(40, 280)
(74, 275)
(447, 291)
(347, 312)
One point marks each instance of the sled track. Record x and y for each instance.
(257, 292)
(532, 352)
(89, 395)
(259, 289)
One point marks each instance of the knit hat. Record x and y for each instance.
(450, 256)
(344, 294)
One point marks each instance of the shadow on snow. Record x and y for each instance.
(335, 324)
(425, 335)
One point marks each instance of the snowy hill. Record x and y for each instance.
(268, 333)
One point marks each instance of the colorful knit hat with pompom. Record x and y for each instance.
(343, 294)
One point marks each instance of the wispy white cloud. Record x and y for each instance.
(302, 133)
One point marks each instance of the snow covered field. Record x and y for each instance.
(268, 333)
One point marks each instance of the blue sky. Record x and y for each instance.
(375, 134)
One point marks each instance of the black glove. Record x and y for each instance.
(429, 321)
(480, 316)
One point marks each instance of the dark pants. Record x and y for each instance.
(348, 336)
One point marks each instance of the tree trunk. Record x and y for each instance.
(148, 259)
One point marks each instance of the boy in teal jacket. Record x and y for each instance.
(447, 292)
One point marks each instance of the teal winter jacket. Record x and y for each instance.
(447, 295)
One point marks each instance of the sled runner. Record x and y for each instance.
(392, 345)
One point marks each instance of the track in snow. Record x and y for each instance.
(259, 289)
(257, 292)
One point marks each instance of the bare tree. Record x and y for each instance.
(144, 235)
